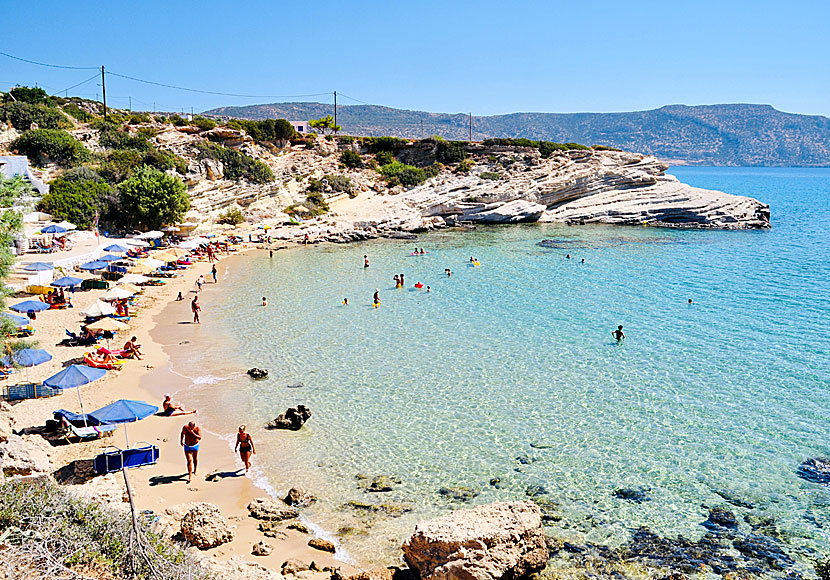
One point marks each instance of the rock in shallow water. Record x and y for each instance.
(459, 493)
(633, 494)
(815, 469)
(292, 419)
(490, 542)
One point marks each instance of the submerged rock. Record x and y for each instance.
(815, 469)
(633, 494)
(458, 493)
(535, 490)
(491, 542)
(378, 483)
(299, 497)
(292, 419)
(721, 518)
(302, 528)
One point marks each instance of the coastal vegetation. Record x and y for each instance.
(324, 124)
(77, 196)
(396, 173)
(150, 199)
(232, 216)
(49, 533)
(55, 145)
(237, 165)
(267, 131)
(492, 175)
(351, 159)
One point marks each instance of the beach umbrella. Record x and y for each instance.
(28, 357)
(117, 293)
(129, 287)
(98, 309)
(19, 321)
(73, 377)
(38, 267)
(152, 262)
(124, 411)
(133, 279)
(67, 225)
(141, 269)
(53, 229)
(108, 325)
(176, 252)
(116, 248)
(109, 258)
(152, 235)
(30, 306)
(94, 265)
(170, 229)
(138, 243)
(66, 282)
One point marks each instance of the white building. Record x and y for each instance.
(301, 127)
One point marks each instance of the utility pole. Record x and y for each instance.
(131, 103)
(104, 91)
(335, 109)
(422, 128)
(471, 127)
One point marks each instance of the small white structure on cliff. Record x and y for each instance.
(300, 127)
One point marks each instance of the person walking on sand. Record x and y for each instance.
(196, 308)
(245, 446)
(213, 271)
(189, 439)
(618, 334)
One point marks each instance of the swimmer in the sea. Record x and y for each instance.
(365, 261)
(618, 334)
(345, 302)
(264, 301)
(376, 298)
(429, 289)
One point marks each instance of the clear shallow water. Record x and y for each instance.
(515, 358)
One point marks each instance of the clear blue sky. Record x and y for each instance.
(487, 57)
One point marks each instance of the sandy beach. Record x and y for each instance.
(162, 488)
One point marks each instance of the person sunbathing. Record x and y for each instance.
(171, 409)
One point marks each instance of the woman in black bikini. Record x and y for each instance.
(245, 446)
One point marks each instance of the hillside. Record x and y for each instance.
(727, 135)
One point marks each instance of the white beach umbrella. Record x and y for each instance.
(68, 225)
(117, 293)
(153, 235)
(98, 308)
(171, 229)
(152, 262)
(133, 279)
(138, 243)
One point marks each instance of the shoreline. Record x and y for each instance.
(162, 486)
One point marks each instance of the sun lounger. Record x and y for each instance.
(114, 459)
(29, 391)
(85, 433)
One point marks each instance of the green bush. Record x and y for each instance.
(204, 123)
(546, 148)
(148, 132)
(12, 189)
(492, 175)
(22, 115)
(232, 216)
(465, 166)
(76, 200)
(391, 144)
(604, 148)
(120, 163)
(317, 203)
(408, 175)
(237, 165)
(56, 145)
(351, 159)
(77, 112)
(384, 158)
(345, 139)
(115, 139)
(30, 95)
(451, 151)
(138, 118)
(267, 131)
(177, 121)
(150, 199)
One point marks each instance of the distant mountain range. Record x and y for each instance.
(731, 135)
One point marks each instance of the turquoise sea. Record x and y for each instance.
(508, 370)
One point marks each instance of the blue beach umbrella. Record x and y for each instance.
(116, 248)
(30, 306)
(109, 258)
(94, 265)
(73, 377)
(38, 267)
(19, 321)
(53, 230)
(124, 411)
(28, 357)
(66, 282)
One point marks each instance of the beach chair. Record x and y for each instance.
(29, 391)
(81, 427)
(113, 459)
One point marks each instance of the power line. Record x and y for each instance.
(214, 92)
(50, 65)
(353, 99)
(95, 76)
